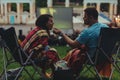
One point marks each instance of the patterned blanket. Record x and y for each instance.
(77, 57)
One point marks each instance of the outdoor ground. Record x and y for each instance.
(62, 52)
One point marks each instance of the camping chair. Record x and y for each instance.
(4, 58)
(108, 46)
(18, 54)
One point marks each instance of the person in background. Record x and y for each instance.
(87, 40)
(21, 37)
(37, 41)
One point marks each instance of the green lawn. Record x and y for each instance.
(62, 50)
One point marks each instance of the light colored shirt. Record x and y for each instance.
(89, 36)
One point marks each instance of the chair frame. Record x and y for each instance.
(115, 48)
(19, 51)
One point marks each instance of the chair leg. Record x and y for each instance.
(5, 63)
(114, 63)
(117, 67)
(20, 71)
(98, 75)
(31, 76)
(34, 65)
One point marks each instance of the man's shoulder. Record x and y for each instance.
(103, 25)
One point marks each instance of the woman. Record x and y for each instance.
(37, 41)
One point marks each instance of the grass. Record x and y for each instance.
(62, 50)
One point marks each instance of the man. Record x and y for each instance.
(86, 41)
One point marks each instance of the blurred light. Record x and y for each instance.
(117, 20)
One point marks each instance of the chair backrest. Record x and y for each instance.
(1, 38)
(107, 45)
(1, 32)
(11, 41)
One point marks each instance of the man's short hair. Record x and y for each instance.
(91, 12)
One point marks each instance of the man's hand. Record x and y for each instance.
(57, 31)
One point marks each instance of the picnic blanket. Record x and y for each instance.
(77, 57)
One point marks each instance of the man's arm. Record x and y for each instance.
(72, 43)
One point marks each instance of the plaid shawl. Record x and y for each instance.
(77, 57)
(37, 39)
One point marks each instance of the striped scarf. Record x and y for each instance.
(37, 39)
